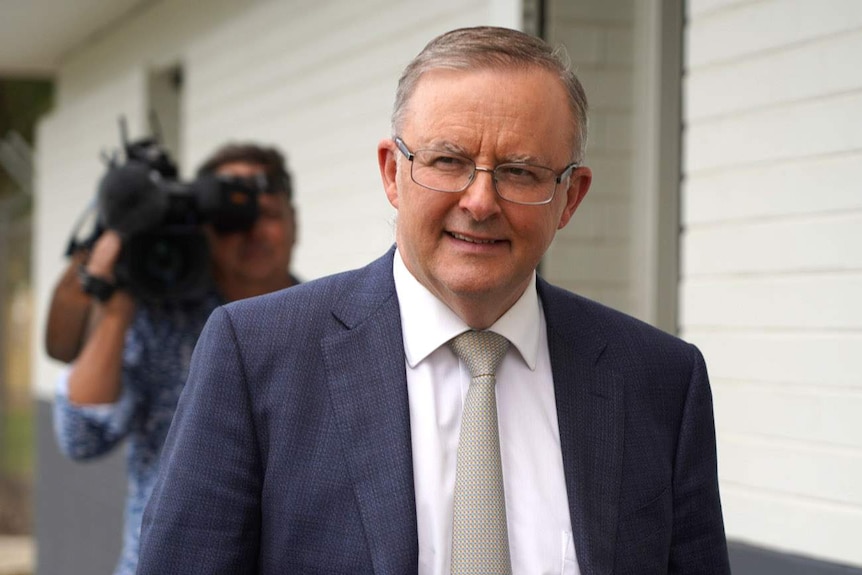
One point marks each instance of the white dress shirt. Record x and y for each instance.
(540, 537)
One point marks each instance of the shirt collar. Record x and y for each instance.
(427, 323)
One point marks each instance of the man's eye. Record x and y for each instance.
(446, 162)
(521, 173)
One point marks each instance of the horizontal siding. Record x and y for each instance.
(803, 302)
(812, 419)
(815, 244)
(831, 125)
(794, 525)
(701, 8)
(811, 358)
(153, 35)
(737, 30)
(592, 255)
(771, 268)
(789, 467)
(331, 48)
(820, 185)
(776, 78)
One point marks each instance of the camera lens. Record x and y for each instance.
(167, 264)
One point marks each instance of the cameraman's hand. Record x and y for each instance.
(104, 255)
(103, 259)
(95, 376)
(72, 314)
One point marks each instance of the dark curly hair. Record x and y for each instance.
(269, 158)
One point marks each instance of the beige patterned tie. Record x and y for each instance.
(480, 540)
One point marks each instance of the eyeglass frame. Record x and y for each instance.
(558, 179)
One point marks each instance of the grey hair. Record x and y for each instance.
(491, 47)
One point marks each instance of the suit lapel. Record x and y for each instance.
(368, 389)
(590, 411)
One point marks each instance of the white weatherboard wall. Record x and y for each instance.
(772, 263)
(592, 255)
(315, 78)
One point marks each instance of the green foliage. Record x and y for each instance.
(22, 103)
(16, 451)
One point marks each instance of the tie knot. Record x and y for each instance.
(482, 351)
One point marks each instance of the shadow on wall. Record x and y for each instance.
(748, 560)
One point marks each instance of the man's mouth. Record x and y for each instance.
(458, 236)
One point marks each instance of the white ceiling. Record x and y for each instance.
(35, 34)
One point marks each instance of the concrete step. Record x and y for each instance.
(17, 555)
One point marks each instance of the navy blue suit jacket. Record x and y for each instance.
(290, 451)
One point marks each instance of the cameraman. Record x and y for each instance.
(134, 357)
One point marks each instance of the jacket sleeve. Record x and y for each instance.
(698, 540)
(204, 513)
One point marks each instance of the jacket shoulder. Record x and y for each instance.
(572, 316)
(346, 296)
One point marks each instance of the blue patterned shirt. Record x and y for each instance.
(156, 359)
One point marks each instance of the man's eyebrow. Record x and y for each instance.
(443, 145)
(538, 161)
(522, 159)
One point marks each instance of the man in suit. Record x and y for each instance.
(330, 428)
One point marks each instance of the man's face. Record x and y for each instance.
(259, 256)
(474, 250)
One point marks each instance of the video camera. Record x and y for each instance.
(165, 255)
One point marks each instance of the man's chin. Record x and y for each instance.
(474, 286)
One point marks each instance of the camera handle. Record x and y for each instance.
(75, 243)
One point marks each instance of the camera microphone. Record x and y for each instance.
(129, 199)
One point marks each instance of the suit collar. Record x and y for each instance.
(590, 411)
(365, 292)
(368, 389)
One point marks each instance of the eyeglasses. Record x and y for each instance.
(519, 183)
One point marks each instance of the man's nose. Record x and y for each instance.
(480, 198)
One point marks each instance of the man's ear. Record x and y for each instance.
(387, 159)
(579, 185)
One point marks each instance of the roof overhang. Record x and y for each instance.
(35, 35)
